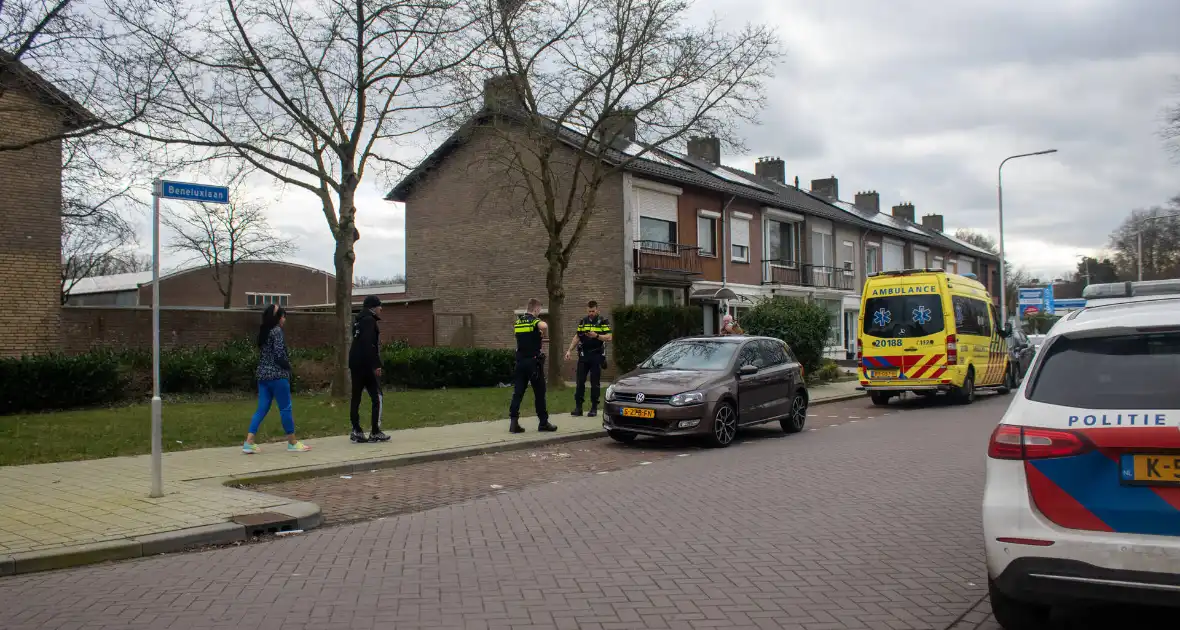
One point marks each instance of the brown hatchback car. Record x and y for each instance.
(708, 386)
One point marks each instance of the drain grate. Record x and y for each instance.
(264, 523)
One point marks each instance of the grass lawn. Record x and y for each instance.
(223, 421)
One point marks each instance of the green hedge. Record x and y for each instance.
(805, 326)
(640, 330)
(55, 381)
(102, 377)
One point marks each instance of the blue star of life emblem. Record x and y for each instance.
(882, 318)
(922, 315)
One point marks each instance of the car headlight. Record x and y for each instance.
(687, 398)
(610, 393)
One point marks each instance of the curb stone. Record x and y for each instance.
(307, 515)
(76, 555)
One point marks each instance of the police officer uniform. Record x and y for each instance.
(530, 370)
(591, 359)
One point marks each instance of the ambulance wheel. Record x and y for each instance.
(880, 399)
(966, 394)
(1013, 614)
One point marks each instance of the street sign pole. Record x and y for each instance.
(188, 192)
(157, 404)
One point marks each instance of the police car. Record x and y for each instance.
(1082, 501)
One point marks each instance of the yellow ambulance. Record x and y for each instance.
(928, 331)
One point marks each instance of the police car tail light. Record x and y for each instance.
(952, 350)
(1024, 443)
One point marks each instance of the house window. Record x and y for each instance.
(966, 265)
(707, 233)
(872, 256)
(894, 259)
(781, 242)
(657, 230)
(659, 296)
(847, 257)
(938, 264)
(921, 258)
(266, 299)
(739, 238)
(952, 266)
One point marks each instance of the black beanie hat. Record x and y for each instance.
(372, 301)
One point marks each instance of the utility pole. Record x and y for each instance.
(1000, 191)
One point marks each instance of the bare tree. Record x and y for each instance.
(584, 88)
(97, 245)
(98, 203)
(1160, 241)
(312, 94)
(222, 235)
(1171, 129)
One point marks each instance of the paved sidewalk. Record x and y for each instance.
(71, 513)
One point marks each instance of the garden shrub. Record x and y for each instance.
(432, 368)
(640, 330)
(55, 381)
(805, 326)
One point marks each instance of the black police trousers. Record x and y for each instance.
(588, 365)
(529, 371)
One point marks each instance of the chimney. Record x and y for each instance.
(618, 124)
(771, 168)
(933, 221)
(904, 211)
(707, 148)
(869, 201)
(503, 92)
(828, 188)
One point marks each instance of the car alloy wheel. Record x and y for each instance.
(724, 425)
(794, 422)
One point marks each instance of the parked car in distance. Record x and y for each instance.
(1021, 352)
(708, 386)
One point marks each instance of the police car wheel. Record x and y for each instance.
(1013, 614)
(622, 436)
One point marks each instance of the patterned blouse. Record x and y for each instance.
(274, 364)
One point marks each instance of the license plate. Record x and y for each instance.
(883, 373)
(1151, 470)
(632, 412)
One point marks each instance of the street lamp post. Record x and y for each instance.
(1000, 191)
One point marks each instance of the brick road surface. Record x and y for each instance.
(420, 487)
(870, 523)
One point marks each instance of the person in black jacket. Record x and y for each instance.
(364, 363)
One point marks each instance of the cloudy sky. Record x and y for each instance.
(920, 100)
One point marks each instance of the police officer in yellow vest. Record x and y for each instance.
(530, 334)
(593, 331)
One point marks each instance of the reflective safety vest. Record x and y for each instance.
(528, 336)
(597, 324)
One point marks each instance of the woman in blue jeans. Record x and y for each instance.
(274, 380)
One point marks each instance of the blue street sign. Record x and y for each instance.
(193, 192)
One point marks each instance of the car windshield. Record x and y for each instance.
(691, 355)
(898, 316)
(1135, 372)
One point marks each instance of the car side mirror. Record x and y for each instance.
(747, 370)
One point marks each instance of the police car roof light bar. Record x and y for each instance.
(1132, 289)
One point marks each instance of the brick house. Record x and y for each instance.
(30, 215)
(670, 228)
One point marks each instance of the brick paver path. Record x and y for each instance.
(872, 524)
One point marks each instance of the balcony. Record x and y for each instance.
(669, 260)
(806, 275)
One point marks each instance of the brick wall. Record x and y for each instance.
(476, 248)
(196, 287)
(87, 327)
(30, 228)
